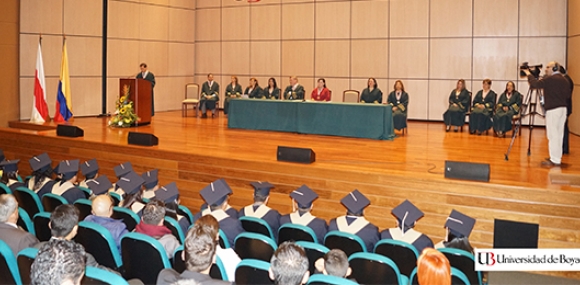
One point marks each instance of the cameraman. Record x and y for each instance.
(556, 94)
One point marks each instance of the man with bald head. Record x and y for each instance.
(101, 214)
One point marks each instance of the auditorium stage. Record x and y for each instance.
(194, 151)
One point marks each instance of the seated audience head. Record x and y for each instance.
(460, 85)
(486, 84)
(261, 192)
(64, 222)
(154, 213)
(169, 194)
(41, 169)
(459, 227)
(302, 199)
(151, 180)
(355, 202)
(103, 206)
(211, 223)
(199, 249)
(399, 86)
(69, 169)
(433, 268)
(336, 263)
(289, 265)
(216, 194)
(90, 169)
(58, 262)
(321, 83)
(8, 209)
(407, 215)
(9, 170)
(272, 82)
(372, 83)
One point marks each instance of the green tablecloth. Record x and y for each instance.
(337, 119)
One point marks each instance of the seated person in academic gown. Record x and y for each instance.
(231, 211)
(233, 90)
(372, 94)
(152, 225)
(216, 195)
(354, 221)
(151, 183)
(320, 93)
(209, 96)
(260, 209)
(100, 185)
(399, 100)
(253, 90)
(41, 181)
(66, 187)
(131, 184)
(294, 91)
(169, 194)
(90, 170)
(459, 227)
(407, 215)
(508, 106)
(272, 91)
(10, 174)
(120, 171)
(102, 209)
(458, 106)
(482, 109)
(302, 199)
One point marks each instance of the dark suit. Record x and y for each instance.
(151, 78)
(296, 94)
(16, 238)
(275, 93)
(231, 92)
(455, 115)
(169, 276)
(400, 115)
(207, 90)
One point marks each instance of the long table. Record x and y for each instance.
(373, 121)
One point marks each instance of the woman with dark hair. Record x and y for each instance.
(320, 93)
(458, 106)
(233, 90)
(482, 109)
(399, 100)
(253, 90)
(372, 94)
(458, 227)
(508, 106)
(41, 181)
(272, 91)
(10, 174)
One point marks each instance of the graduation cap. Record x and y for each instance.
(150, 178)
(216, 192)
(262, 188)
(167, 193)
(39, 162)
(459, 224)
(355, 202)
(130, 182)
(122, 169)
(304, 196)
(9, 165)
(68, 168)
(100, 185)
(407, 214)
(89, 168)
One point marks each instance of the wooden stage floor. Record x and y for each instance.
(195, 151)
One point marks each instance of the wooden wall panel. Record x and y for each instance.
(9, 42)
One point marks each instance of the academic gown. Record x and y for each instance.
(400, 115)
(275, 94)
(231, 92)
(455, 116)
(296, 94)
(480, 119)
(231, 227)
(14, 185)
(47, 185)
(229, 210)
(323, 96)
(369, 233)
(210, 91)
(256, 93)
(272, 217)
(368, 96)
(419, 240)
(318, 225)
(502, 121)
(151, 78)
(68, 191)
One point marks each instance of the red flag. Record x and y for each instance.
(39, 106)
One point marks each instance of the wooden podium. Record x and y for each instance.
(140, 95)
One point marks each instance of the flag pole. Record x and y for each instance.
(104, 61)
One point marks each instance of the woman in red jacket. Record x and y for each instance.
(321, 93)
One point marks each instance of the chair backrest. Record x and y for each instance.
(143, 257)
(255, 246)
(8, 267)
(463, 261)
(25, 222)
(350, 96)
(413, 277)
(28, 200)
(25, 258)
(252, 271)
(116, 198)
(191, 91)
(403, 254)
(51, 201)
(178, 262)
(256, 225)
(86, 190)
(4, 189)
(314, 251)
(458, 277)
(176, 230)
(41, 226)
(99, 242)
(372, 268)
(129, 217)
(346, 242)
(85, 208)
(321, 279)
(184, 211)
(223, 239)
(295, 232)
(95, 275)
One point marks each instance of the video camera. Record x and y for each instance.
(534, 69)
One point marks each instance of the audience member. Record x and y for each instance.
(334, 263)
(302, 203)
(407, 215)
(90, 170)
(152, 225)
(131, 184)
(16, 238)
(151, 183)
(101, 214)
(41, 181)
(169, 194)
(433, 268)
(289, 265)
(66, 187)
(260, 209)
(59, 262)
(10, 174)
(459, 227)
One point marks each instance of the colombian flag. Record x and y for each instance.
(63, 95)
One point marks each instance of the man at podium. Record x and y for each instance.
(145, 74)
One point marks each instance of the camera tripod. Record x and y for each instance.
(529, 109)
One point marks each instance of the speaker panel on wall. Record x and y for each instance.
(69, 131)
(467, 170)
(295, 154)
(511, 234)
(142, 139)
